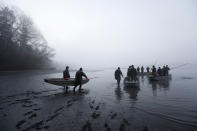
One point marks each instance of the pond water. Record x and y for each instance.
(27, 103)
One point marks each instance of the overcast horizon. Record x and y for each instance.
(116, 33)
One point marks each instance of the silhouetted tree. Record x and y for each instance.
(22, 46)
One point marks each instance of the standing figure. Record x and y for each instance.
(138, 69)
(167, 70)
(118, 74)
(135, 73)
(147, 69)
(66, 74)
(129, 73)
(164, 71)
(154, 71)
(142, 70)
(78, 78)
(159, 71)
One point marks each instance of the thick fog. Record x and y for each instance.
(116, 32)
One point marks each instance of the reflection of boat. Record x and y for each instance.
(131, 83)
(160, 78)
(132, 92)
(63, 82)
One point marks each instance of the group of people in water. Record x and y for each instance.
(132, 72)
(78, 77)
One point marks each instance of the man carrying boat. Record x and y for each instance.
(78, 78)
(118, 74)
(66, 73)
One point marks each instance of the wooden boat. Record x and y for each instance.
(160, 78)
(63, 82)
(131, 83)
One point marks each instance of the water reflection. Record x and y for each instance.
(132, 91)
(118, 92)
(160, 85)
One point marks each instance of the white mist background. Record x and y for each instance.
(100, 33)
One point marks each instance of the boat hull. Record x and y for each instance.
(131, 83)
(63, 82)
(160, 78)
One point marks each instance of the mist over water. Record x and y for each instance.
(110, 33)
(98, 36)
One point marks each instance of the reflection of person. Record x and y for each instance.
(66, 74)
(118, 74)
(78, 78)
(118, 93)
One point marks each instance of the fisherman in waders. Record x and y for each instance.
(66, 75)
(167, 70)
(78, 78)
(138, 69)
(118, 74)
(142, 70)
(154, 71)
(147, 69)
(129, 73)
(159, 71)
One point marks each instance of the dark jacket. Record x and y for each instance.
(66, 74)
(118, 74)
(78, 76)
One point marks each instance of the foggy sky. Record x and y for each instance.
(116, 32)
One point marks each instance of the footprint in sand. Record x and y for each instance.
(32, 116)
(86, 127)
(113, 115)
(18, 125)
(52, 117)
(107, 127)
(27, 113)
(95, 115)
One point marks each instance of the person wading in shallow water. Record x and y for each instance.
(118, 74)
(78, 78)
(66, 75)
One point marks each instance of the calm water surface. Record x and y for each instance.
(170, 105)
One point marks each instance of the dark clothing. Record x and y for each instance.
(142, 69)
(167, 70)
(159, 71)
(66, 74)
(118, 75)
(129, 73)
(154, 71)
(138, 69)
(147, 69)
(78, 77)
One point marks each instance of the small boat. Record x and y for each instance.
(63, 82)
(131, 83)
(160, 78)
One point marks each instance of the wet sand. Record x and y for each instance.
(28, 104)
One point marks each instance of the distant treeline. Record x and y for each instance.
(22, 46)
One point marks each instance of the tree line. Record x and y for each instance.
(22, 46)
